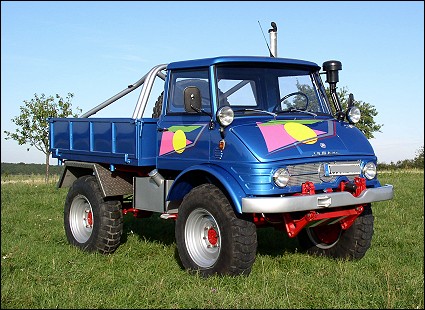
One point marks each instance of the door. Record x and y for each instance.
(183, 134)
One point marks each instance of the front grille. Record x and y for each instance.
(314, 173)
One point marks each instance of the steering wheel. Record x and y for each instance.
(290, 95)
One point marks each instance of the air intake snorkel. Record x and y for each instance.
(273, 40)
(331, 68)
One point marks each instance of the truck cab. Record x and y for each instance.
(235, 143)
(262, 115)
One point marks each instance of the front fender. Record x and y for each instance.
(199, 174)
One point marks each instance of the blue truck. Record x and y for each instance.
(235, 143)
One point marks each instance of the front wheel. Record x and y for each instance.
(210, 238)
(91, 223)
(333, 241)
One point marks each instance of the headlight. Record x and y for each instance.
(353, 115)
(281, 177)
(225, 116)
(369, 170)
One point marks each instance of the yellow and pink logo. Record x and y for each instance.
(278, 134)
(175, 139)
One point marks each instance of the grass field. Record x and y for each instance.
(39, 269)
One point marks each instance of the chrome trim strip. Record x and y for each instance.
(314, 202)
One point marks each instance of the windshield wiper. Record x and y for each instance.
(297, 110)
(256, 110)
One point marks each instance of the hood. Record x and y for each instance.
(290, 139)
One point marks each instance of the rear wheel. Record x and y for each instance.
(211, 239)
(90, 222)
(333, 241)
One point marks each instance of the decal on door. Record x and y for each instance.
(178, 138)
(281, 134)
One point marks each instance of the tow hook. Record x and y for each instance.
(350, 187)
(356, 187)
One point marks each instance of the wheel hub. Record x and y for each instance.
(89, 219)
(212, 236)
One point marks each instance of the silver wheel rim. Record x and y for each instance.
(202, 238)
(81, 219)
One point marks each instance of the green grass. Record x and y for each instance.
(39, 269)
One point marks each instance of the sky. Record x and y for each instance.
(95, 49)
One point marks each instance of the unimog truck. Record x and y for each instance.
(234, 144)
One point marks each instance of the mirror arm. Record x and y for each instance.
(195, 109)
(211, 124)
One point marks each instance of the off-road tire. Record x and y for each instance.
(211, 239)
(91, 222)
(157, 108)
(352, 243)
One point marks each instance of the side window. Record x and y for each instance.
(185, 78)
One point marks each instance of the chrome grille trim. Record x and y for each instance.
(314, 173)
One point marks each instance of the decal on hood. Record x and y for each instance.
(282, 134)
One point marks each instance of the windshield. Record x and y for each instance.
(271, 90)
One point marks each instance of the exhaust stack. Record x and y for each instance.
(273, 40)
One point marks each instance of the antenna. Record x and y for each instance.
(271, 55)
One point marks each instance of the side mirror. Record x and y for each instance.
(192, 99)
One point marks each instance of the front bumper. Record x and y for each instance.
(314, 202)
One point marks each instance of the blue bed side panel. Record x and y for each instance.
(104, 140)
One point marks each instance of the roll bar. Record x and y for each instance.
(144, 93)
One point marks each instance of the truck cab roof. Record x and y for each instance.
(206, 62)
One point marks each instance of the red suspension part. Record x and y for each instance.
(307, 188)
(132, 210)
(137, 213)
(344, 217)
(360, 185)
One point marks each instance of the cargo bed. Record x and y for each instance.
(104, 140)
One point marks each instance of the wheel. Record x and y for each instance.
(210, 238)
(157, 108)
(333, 241)
(90, 222)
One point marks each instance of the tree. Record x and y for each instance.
(33, 126)
(366, 124)
(419, 158)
